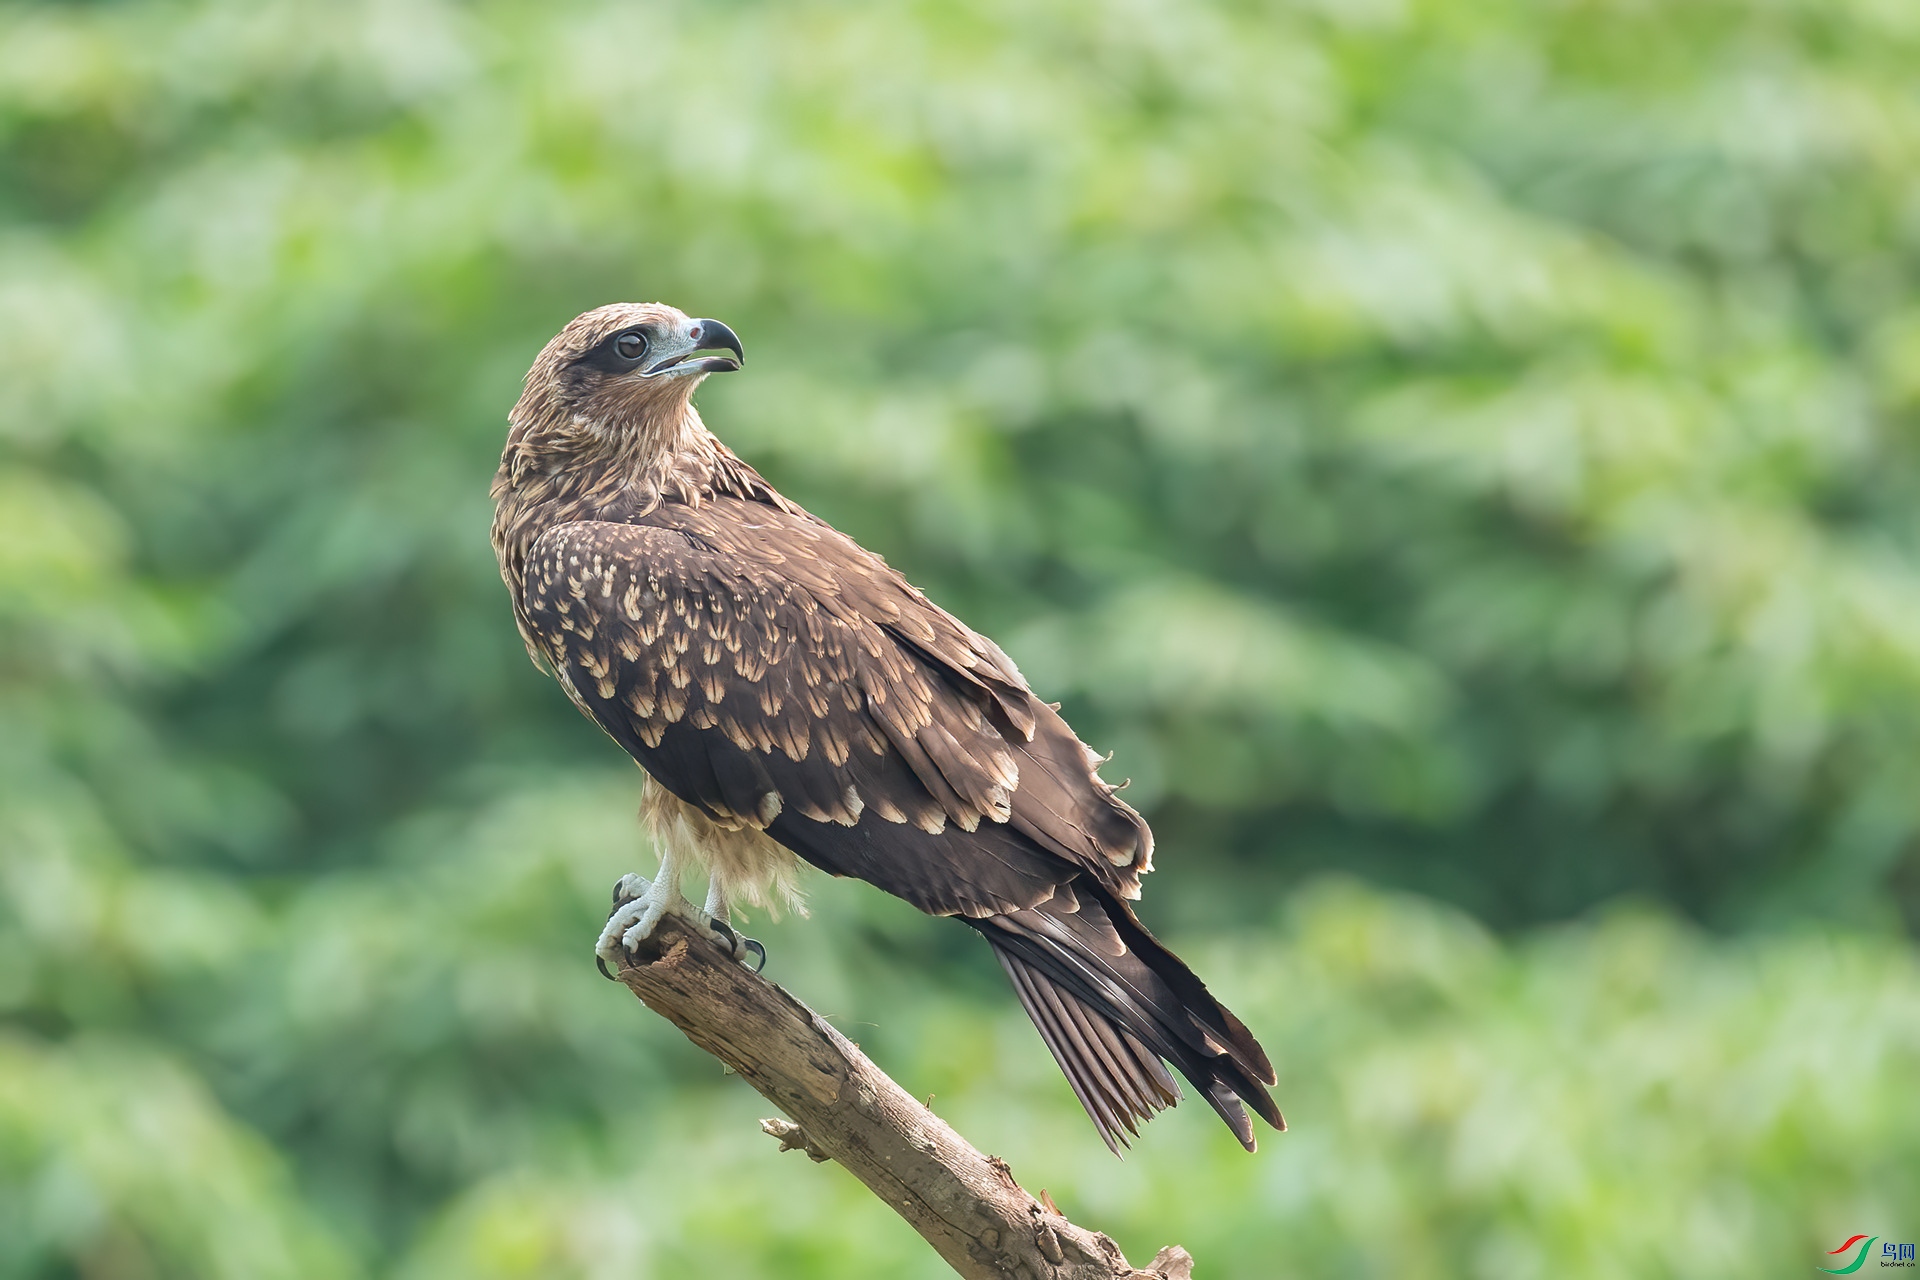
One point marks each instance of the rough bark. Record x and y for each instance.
(841, 1107)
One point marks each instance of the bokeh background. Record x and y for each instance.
(1461, 456)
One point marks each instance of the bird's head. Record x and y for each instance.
(628, 365)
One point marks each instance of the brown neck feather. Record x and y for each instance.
(563, 466)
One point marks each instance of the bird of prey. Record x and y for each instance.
(792, 699)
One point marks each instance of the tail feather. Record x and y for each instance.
(1117, 1090)
(1114, 1006)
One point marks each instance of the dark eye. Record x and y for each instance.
(631, 346)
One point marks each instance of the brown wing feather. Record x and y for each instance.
(781, 638)
(952, 676)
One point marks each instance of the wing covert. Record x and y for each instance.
(765, 668)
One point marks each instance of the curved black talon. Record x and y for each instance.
(736, 943)
(722, 927)
(600, 963)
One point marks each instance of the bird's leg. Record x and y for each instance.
(720, 914)
(717, 907)
(639, 905)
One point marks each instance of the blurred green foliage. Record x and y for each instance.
(1465, 444)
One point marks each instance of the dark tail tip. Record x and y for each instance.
(1115, 1007)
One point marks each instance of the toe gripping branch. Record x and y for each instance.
(736, 943)
(739, 943)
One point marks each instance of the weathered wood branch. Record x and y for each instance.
(843, 1108)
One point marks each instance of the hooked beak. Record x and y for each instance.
(700, 335)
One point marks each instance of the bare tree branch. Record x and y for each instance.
(843, 1108)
